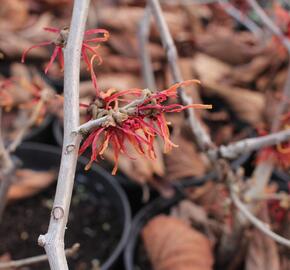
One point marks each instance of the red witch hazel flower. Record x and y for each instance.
(88, 47)
(139, 121)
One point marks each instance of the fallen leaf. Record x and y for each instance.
(172, 244)
(247, 105)
(231, 47)
(29, 182)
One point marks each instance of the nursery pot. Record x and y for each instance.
(132, 189)
(159, 206)
(99, 218)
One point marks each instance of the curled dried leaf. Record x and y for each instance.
(172, 244)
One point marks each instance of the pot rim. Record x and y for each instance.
(114, 185)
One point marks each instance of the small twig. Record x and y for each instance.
(241, 18)
(29, 123)
(233, 150)
(263, 227)
(143, 36)
(53, 240)
(263, 170)
(201, 136)
(86, 127)
(69, 252)
(269, 23)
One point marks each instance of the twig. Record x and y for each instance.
(143, 36)
(36, 259)
(86, 127)
(263, 227)
(6, 171)
(269, 23)
(263, 171)
(53, 240)
(201, 136)
(29, 123)
(233, 150)
(241, 18)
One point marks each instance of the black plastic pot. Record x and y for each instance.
(159, 205)
(162, 205)
(44, 157)
(133, 190)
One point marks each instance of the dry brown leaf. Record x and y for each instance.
(183, 161)
(127, 45)
(14, 14)
(29, 183)
(208, 68)
(127, 19)
(262, 253)
(120, 64)
(231, 47)
(172, 244)
(248, 73)
(247, 105)
(139, 169)
(119, 81)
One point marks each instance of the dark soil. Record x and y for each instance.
(92, 223)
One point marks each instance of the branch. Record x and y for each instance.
(202, 138)
(263, 227)
(86, 127)
(37, 259)
(236, 149)
(269, 23)
(263, 171)
(30, 122)
(53, 240)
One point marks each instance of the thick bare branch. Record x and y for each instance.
(53, 240)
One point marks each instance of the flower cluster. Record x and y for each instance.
(139, 121)
(89, 48)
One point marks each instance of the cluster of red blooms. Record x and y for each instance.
(139, 124)
(136, 122)
(89, 48)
